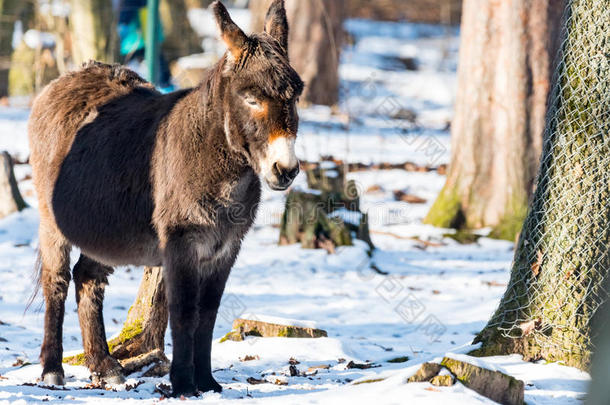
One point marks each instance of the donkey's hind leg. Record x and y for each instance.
(55, 279)
(90, 278)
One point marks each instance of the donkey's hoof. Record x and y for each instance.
(182, 389)
(209, 385)
(53, 378)
(114, 379)
(107, 371)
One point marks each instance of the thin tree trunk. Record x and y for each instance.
(314, 44)
(10, 197)
(505, 64)
(93, 28)
(559, 277)
(32, 69)
(10, 12)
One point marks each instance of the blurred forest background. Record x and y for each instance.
(40, 39)
(505, 113)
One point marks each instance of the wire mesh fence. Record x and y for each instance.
(559, 278)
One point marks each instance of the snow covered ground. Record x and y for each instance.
(437, 294)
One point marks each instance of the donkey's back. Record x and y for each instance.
(92, 134)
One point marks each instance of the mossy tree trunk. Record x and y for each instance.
(314, 43)
(93, 29)
(506, 54)
(559, 276)
(10, 12)
(144, 328)
(33, 68)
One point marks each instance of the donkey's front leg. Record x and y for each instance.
(182, 277)
(213, 283)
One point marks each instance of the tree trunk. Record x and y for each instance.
(314, 44)
(505, 64)
(599, 389)
(10, 12)
(559, 276)
(419, 11)
(93, 28)
(180, 39)
(10, 197)
(144, 328)
(33, 68)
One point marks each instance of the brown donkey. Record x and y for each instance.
(131, 176)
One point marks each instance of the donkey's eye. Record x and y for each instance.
(251, 101)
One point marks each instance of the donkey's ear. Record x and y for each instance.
(276, 23)
(231, 34)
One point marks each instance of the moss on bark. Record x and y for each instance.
(511, 223)
(446, 212)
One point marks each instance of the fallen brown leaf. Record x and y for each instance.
(361, 366)
(375, 188)
(255, 381)
(494, 284)
(318, 367)
(536, 265)
(529, 326)
(400, 195)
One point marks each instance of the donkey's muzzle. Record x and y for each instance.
(282, 176)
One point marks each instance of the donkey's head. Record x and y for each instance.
(259, 100)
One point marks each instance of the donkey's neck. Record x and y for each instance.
(215, 169)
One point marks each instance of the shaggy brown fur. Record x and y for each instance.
(131, 176)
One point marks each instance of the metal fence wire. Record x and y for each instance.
(559, 279)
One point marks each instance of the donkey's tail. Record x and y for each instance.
(37, 278)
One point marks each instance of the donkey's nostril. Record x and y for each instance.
(284, 173)
(275, 169)
(293, 172)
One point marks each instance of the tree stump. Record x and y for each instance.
(10, 197)
(327, 214)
